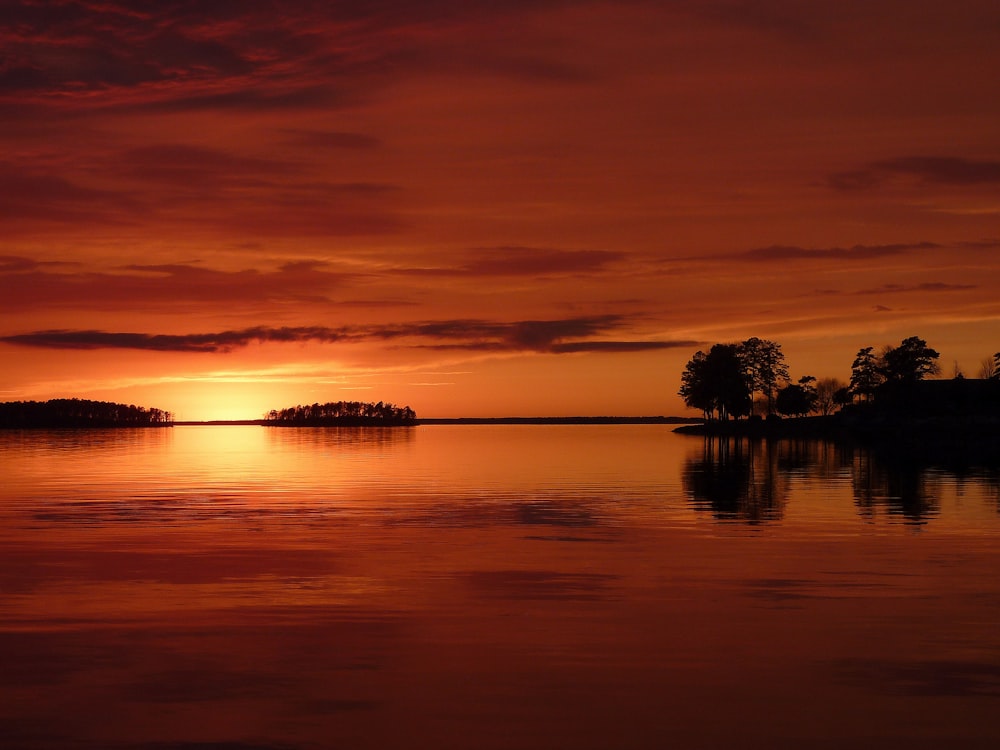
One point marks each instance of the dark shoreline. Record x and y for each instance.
(851, 429)
(468, 421)
(561, 420)
(350, 423)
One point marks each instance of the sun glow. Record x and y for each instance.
(210, 400)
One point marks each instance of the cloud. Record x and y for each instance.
(16, 264)
(30, 194)
(482, 335)
(170, 184)
(620, 347)
(177, 56)
(329, 139)
(31, 285)
(186, 165)
(857, 252)
(927, 287)
(204, 171)
(776, 253)
(522, 261)
(931, 170)
(223, 341)
(548, 336)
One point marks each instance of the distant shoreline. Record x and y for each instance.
(471, 421)
(563, 420)
(840, 427)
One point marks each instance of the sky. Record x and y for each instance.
(515, 208)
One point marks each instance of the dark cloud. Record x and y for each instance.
(858, 179)
(522, 261)
(201, 169)
(944, 169)
(470, 335)
(33, 195)
(223, 341)
(986, 244)
(525, 260)
(857, 252)
(481, 335)
(176, 183)
(927, 287)
(620, 347)
(933, 170)
(196, 166)
(174, 55)
(31, 285)
(16, 264)
(533, 69)
(329, 139)
(776, 253)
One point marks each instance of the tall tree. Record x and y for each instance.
(694, 385)
(912, 360)
(716, 382)
(866, 373)
(765, 366)
(842, 396)
(989, 368)
(798, 398)
(826, 395)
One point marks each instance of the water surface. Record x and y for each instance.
(529, 586)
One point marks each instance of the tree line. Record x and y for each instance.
(734, 380)
(75, 412)
(342, 413)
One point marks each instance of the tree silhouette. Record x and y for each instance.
(342, 413)
(987, 368)
(866, 373)
(990, 367)
(842, 396)
(765, 366)
(75, 412)
(826, 395)
(717, 383)
(798, 398)
(912, 360)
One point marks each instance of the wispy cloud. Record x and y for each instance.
(29, 284)
(933, 170)
(778, 253)
(222, 341)
(328, 139)
(561, 336)
(32, 194)
(520, 261)
(245, 55)
(930, 287)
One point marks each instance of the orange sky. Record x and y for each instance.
(486, 208)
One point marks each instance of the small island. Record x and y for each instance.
(342, 414)
(79, 413)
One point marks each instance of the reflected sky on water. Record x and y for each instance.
(492, 586)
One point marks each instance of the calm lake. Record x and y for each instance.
(501, 586)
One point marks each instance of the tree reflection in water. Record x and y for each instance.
(736, 479)
(902, 485)
(741, 479)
